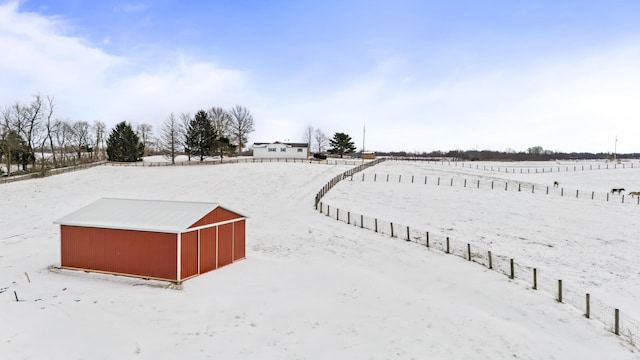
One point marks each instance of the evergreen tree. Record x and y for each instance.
(123, 144)
(14, 149)
(223, 146)
(341, 144)
(200, 136)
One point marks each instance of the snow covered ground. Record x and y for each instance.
(312, 287)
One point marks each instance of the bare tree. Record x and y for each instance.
(7, 146)
(49, 129)
(81, 138)
(308, 137)
(308, 134)
(241, 125)
(99, 130)
(30, 120)
(144, 132)
(321, 140)
(171, 137)
(185, 121)
(63, 134)
(221, 121)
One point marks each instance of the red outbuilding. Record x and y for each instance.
(166, 240)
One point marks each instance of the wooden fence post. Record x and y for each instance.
(361, 221)
(533, 189)
(451, 182)
(376, 224)
(349, 217)
(490, 261)
(559, 291)
(337, 214)
(427, 239)
(400, 178)
(438, 180)
(587, 314)
(391, 229)
(328, 211)
(408, 236)
(387, 177)
(561, 191)
(447, 244)
(465, 182)
(535, 279)
(592, 193)
(478, 184)
(412, 178)
(519, 185)
(511, 276)
(469, 251)
(425, 180)
(616, 327)
(491, 184)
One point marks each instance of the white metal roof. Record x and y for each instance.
(144, 215)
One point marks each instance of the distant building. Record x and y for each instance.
(281, 150)
(368, 155)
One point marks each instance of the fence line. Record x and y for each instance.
(196, 162)
(49, 172)
(533, 170)
(508, 185)
(570, 295)
(621, 325)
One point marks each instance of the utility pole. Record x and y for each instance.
(362, 153)
(615, 149)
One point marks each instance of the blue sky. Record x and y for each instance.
(420, 75)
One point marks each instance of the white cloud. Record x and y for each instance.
(566, 103)
(131, 8)
(577, 103)
(90, 84)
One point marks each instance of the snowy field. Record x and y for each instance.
(315, 288)
(591, 244)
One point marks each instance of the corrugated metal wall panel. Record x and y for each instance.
(207, 249)
(140, 253)
(239, 247)
(225, 244)
(189, 254)
(217, 215)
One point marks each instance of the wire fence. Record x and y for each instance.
(49, 172)
(592, 308)
(244, 160)
(617, 196)
(523, 169)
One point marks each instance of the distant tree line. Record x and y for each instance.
(341, 143)
(213, 132)
(536, 153)
(34, 138)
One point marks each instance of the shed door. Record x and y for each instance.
(225, 244)
(208, 249)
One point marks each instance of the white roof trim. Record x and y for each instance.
(141, 215)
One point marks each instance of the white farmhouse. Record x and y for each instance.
(281, 150)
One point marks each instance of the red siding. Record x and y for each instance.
(140, 253)
(239, 240)
(216, 215)
(225, 244)
(207, 249)
(189, 254)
